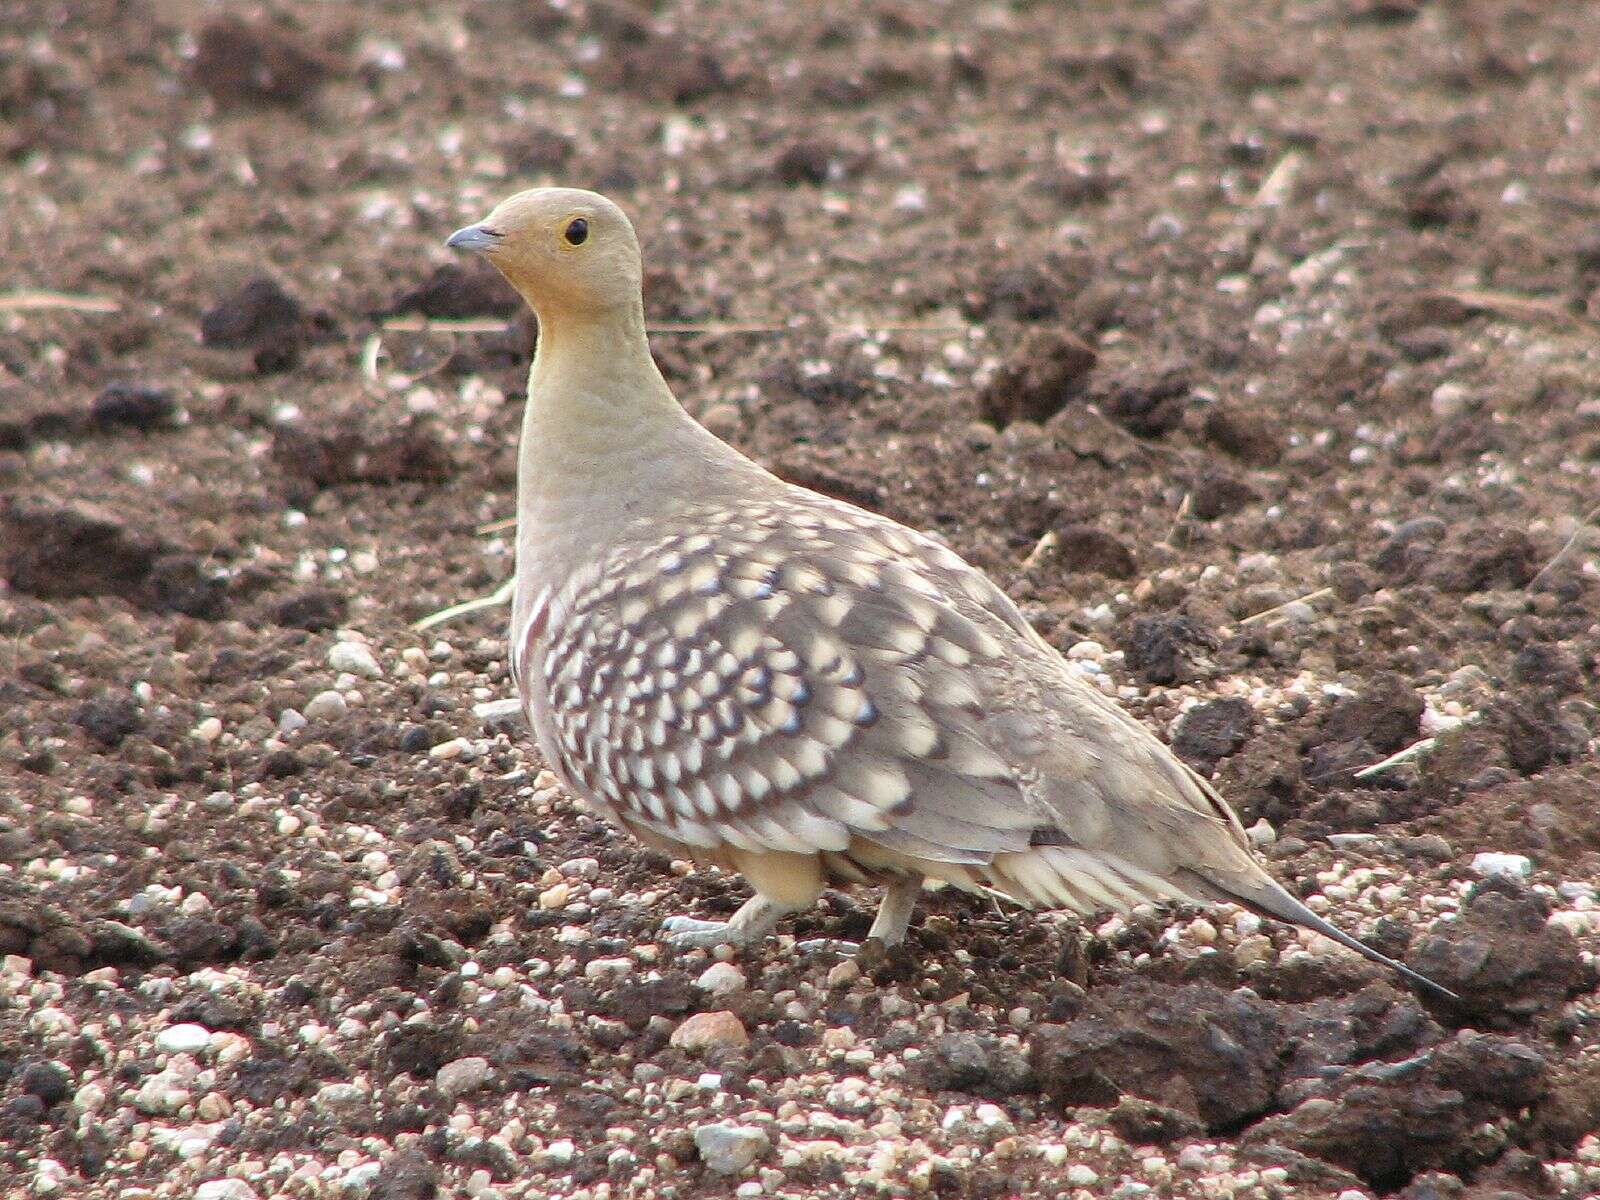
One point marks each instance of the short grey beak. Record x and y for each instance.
(473, 237)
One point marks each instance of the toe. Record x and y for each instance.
(692, 925)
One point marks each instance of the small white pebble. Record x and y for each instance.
(327, 706)
(1491, 862)
(355, 658)
(720, 979)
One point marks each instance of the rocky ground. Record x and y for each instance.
(1251, 346)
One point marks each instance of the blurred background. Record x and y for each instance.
(1251, 345)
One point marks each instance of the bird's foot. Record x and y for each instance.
(756, 918)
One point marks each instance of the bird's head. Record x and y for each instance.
(566, 250)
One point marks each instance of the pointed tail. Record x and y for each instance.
(1265, 896)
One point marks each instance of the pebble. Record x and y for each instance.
(1349, 841)
(1253, 949)
(1449, 399)
(1492, 862)
(183, 1039)
(160, 1096)
(1575, 922)
(225, 1189)
(842, 975)
(355, 658)
(838, 1037)
(47, 1081)
(721, 978)
(561, 1153)
(1262, 833)
(710, 1031)
(213, 1106)
(339, 1097)
(462, 1076)
(327, 706)
(1079, 1175)
(359, 1180)
(189, 1141)
(217, 802)
(291, 720)
(994, 1121)
(728, 1149)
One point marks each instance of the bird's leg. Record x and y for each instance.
(888, 927)
(756, 918)
(894, 911)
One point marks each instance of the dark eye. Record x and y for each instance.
(577, 231)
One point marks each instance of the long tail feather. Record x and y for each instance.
(1266, 897)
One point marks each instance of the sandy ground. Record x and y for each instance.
(1251, 346)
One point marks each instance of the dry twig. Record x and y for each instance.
(56, 302)
(1588, 519)
(1306, 599)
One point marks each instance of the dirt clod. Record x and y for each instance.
(1386, 716)
(1170, 258)
(313, 609)
(1214, 730)
(328, 456)
(1388, 1121)
(56, 550)
(971, 1063)
(1502, 956)
(240, 63)
(1204, 1052)
(460, 291)
(804, 162)
(260, 317)
(1169, 648)
(1247, 435)
(133, 406)
(1048, 372)
(1146, 398)
(1085, 548)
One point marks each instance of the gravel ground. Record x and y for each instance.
(1251, 346)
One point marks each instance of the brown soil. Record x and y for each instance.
(1241, 302)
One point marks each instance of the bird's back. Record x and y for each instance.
(795, 674)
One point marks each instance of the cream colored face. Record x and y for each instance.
(564, 249)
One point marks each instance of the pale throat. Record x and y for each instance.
(601, 435)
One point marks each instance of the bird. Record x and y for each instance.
(752, 675)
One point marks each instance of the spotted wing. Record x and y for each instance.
(784, 679)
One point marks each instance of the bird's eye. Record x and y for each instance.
(577, 231)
